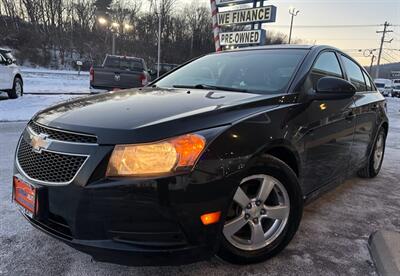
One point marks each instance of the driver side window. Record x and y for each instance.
(2, 59)
(326, 65)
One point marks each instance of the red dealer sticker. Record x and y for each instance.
(25, 196)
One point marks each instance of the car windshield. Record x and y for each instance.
(258, 71)
(8, 55)
(397, 87)
(380, 85)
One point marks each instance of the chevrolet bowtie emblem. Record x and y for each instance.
(39, 142)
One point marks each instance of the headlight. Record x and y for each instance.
(156, 158)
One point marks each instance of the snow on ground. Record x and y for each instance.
(42, 81)
(23, 108)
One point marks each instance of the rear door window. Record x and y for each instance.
(124, 63)
(367, 81)
(355, 74)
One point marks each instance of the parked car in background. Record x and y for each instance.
(119, 72)
(384, 86)
(396, 88)
(164, 68)
(217, 157)
(10, 75)
(396, 91)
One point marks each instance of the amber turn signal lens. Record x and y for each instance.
(210, 218)
(188, 148)
(156, 158)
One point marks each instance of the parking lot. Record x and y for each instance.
(332, 239)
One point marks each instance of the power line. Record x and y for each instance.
(327, 26)
(390, 58)
(393, 52)
(385, 60)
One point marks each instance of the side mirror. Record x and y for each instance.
(9, 61)
(331, 88)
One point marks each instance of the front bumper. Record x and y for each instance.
(132, 221)
(146, 222)
(129, 254)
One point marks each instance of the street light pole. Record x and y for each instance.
(115, 28)
(159, 45)
(113, 43)
(294, 13)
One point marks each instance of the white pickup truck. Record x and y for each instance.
(10, 75)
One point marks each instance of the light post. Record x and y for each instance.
(294, 13)
(159, 45)
(114, 28)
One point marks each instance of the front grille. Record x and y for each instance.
(62, 135)
(47, 166)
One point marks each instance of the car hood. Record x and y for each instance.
(150, 114)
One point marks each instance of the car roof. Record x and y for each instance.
(279, 46)
(125, 57)
(286, 46)
(5, 50)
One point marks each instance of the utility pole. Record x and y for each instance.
(385, 30)
(294, 13)
(159, 44)
(372, 63)
(370, 53)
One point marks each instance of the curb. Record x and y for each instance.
(384, 247)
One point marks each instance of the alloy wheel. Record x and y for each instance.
(18, 89)
(378, 153)
(259, 213)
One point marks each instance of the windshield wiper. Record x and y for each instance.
(213, 87)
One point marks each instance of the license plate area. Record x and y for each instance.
(25, 196)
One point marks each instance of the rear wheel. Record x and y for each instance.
(373, 167)
(17, 90)
(264, 215)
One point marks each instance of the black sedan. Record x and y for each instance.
(216, 158)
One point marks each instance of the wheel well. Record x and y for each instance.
(19, 76)
(385, 125)
(286, 156)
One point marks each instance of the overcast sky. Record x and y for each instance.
(319, 13)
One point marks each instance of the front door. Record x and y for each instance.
(3, 74)
(330, 132)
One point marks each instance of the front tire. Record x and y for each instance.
(17, 90)
(265, 213)
(373, 167)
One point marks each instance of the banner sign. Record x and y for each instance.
(221, 3)
(395, 74)
(242, 38)
(247, 16)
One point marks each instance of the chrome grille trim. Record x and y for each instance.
(47, 183)
(60, 131)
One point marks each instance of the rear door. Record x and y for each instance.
(367, 104)
(330, 129)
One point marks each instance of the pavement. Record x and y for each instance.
(332, 238)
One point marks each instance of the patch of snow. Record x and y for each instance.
(43, 81)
